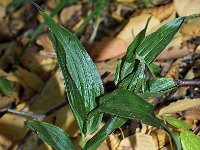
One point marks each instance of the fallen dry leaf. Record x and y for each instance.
(139, 141)
(173, 72)
(5, 143)
(44, 41)
(29, 79)
(52, 95)
(192, 27)
(107, 48)
(135, 25)
(160, 137)
(68, 12)
(187, 7)
(193, 113)
(162, 13)
(180, 105)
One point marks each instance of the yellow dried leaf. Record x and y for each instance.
(173, 72)
(187, 7)
(139, 141)
(135, 25)
(68, 12)
(180, 105)
(192, 27)
(52, 95)
(30, 79)
(160, 137)
(163, 12)
(44, 41)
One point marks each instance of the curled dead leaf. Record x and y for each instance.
(107, 48)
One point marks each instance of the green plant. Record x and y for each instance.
(86, 93)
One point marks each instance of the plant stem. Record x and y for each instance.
(83, 140)
(181, 83)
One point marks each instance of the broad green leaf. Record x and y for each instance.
(5, 86)
(102, 134)
(153, 44)
(189, 140)
(126, 104)
(157, 87)
(52, 135)
(176, 122)
(81, 77)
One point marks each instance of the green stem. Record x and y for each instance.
(83, 140)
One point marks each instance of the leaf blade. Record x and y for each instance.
(52, 135)
(79, 67)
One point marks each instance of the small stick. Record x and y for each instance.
(191, 83)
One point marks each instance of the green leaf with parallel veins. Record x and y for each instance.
(126, 65)
(189, 140)
(176, 122)
(102, 134)
(157, 87)
(154, 44)
(80, 74)
(5, 86)
(52, 135)
(126, 104)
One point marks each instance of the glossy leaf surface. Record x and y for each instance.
(126, 104)
(157, 87)
(52, 135)
(81, 77)
(176, 122)
(189, 140)
(102, 134)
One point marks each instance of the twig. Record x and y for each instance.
(191, 83)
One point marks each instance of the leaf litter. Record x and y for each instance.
(38, 85)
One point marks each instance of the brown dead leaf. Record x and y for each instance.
(5, 143)
(173, 72)
(107, 66)
(29, 79)
(38, 64)
(192, 27)
(107, 48)
(12, 126)
(180, 105)
(162, 13)
(44, 41)
(139, 141)
(52, 95)
(135, 25)
(68, 12)
(187, 7)
(193, 113)
(160, 137)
